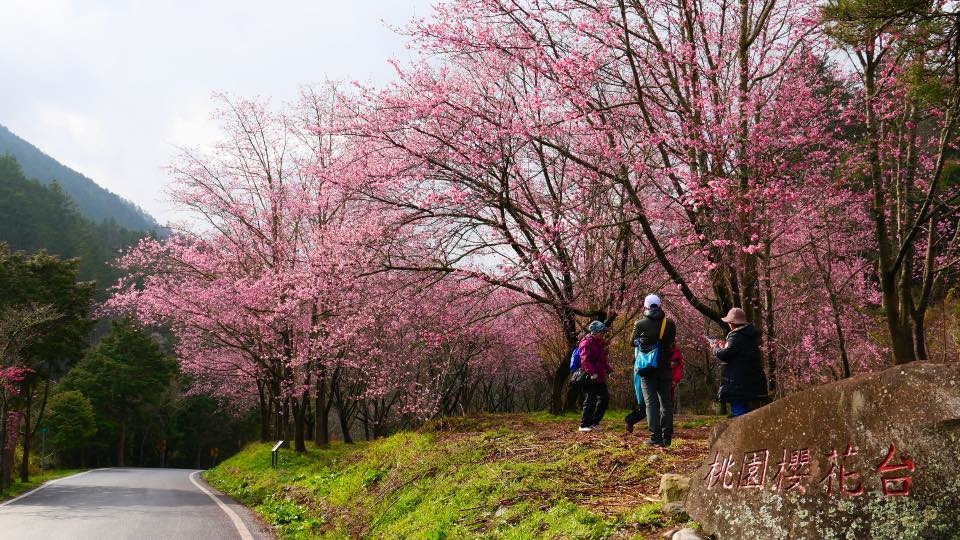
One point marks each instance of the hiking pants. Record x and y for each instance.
(656, 394)
(595, 399)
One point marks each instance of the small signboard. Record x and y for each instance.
(275, 454)
(43, 429)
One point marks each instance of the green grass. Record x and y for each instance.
(699, 421)
(473, 477)
(18, 487)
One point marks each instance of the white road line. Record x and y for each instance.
(45, 484)
(237, 522)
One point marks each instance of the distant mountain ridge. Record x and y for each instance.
(94, 202)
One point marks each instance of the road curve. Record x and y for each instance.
(128, 504)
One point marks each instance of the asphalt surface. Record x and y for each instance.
(128, 504)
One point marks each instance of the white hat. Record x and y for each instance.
(651, 300)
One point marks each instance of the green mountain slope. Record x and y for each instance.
(34, 216)
(94, 202)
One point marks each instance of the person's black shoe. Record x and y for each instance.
(666, 443)
(653, 442)
(629, 426)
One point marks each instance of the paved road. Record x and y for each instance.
(128, 504)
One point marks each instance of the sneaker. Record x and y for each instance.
(584, 429)
(596, 427)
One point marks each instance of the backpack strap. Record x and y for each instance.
(663, 326)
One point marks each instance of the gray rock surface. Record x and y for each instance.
(873, 456)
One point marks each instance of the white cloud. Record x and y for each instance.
(111, 87)
(79, 131)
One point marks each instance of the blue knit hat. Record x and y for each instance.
(596, 327)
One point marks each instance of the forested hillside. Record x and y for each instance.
(34, 216)
(94, 202)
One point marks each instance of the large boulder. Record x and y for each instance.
(873, 456)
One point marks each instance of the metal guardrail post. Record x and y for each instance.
(275, 454)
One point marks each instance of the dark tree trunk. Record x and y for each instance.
(299, 419)
(322, 435)
(286, 433)
(5, 456)
(919, 335)
(557, 402)
(122, 443)
(345, 426)
(25, 387)
(265, 411)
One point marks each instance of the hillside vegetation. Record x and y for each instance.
(491, 476)
(34, 216)
(94, 202)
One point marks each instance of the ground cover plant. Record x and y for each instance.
(492, 476)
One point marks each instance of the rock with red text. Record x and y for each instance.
(873, 456)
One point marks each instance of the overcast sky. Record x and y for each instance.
(111, 87)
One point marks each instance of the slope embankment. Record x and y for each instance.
(491, 476)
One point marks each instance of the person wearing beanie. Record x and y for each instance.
(593, 360)
(656, 387)
(742, 379)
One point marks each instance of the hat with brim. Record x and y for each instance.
(735, 316)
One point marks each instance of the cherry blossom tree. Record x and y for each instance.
(906, 59)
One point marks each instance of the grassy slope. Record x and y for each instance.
(492, 476)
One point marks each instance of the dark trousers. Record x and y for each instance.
(595, 400)
(656, 394)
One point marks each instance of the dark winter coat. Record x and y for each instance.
(646, 332)
(741, 366)
(593, 357)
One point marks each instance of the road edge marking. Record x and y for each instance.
(237, 522)
(45, 484)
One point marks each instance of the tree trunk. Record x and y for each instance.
(286, 433)
(278, 418)
(769, 324)
(28, 406)
(559, 381)
(901, 335)
(345, 426)
(299, 420)
(919, 335)
(4, 458)
(322, 435)
(265, 411)
(122, 443)
(557, 402)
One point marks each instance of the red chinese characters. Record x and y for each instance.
(721, 472)
(794, 472)
(793, 469)
(753, 469)
(895, 485)
(848, 482)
